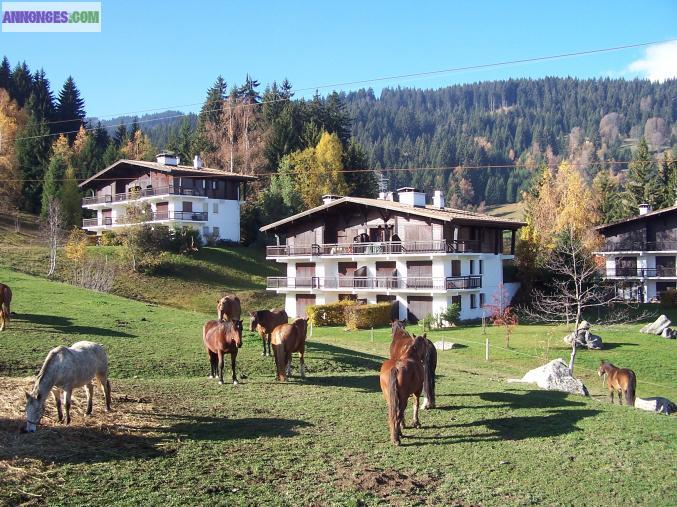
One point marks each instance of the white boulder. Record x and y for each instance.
(585, 339)
(554, 376)
(670, 333)
(657, 327)
(657, 404)
(444, 345)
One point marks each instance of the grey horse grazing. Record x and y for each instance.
(64, 369)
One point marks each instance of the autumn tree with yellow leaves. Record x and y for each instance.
(12, 119)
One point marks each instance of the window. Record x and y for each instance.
(205, 207)
(473, 301)
(216, 232)
(456, 300)
(481, 298)
(214, 184)
(205, 231)
(180, 182)
(472, 267)
(204, 184)
(481, 267)
(215, 208)
(456, 268)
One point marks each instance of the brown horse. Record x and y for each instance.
(222, 337)
(288, 338)
(5, 301)
(264, 321)
(401, 342)
(620, 380)
(400, 378)
(228, 308)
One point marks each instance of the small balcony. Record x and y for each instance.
(376, 283)
(640, 246)
(658, 272)
(163, 216)
(375, 248)
(143, 193)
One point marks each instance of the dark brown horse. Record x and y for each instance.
(228, 308)
(222, 337)
(401, 342)
(5, 301)
(264, 321)
(620, 380)
(401, 378)
(286, 339)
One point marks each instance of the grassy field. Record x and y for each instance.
(178, 438)
(186, 282)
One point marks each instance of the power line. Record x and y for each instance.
(392, 169)
(382, 78)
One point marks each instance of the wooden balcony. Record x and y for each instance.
(658, 272)
(640, 246)
(146, 192)
(376, 283)
(183, 216)
(375, 248)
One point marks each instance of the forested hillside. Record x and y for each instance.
(524, 121)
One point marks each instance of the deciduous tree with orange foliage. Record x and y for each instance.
(11, 120)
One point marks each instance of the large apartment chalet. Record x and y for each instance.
(199, 197)
(639, 253)
(392, 249)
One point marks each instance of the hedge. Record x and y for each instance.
(366, 316)
(331, 314)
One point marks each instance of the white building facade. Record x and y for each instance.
(169, 194)
(380, 250)
(640, 253)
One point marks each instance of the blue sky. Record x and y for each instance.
(162, 54)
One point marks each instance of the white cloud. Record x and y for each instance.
(659, 62)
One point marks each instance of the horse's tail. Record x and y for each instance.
(280, 360)
(393, 404)
(429, 365)
(630, 389)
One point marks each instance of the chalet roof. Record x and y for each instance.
(187, 170)
(664, 211)
(443, 214)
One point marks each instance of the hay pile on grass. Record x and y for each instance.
(27, 461)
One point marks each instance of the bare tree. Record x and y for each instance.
(53, 232)
(576, 288)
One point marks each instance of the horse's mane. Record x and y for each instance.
(50, 356)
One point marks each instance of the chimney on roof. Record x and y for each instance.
(327, 198)
(167, 158)
(197, 162)
(438, 199)
(411, 196)
(644, 208)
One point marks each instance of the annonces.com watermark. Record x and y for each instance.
(51, 16)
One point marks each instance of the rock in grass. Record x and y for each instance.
(656, 327)
(657, 404)
(444, 345)
(585, 339)
(554, 376)
(669, 333)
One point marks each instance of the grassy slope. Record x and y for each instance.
(511, 211)
(191, 283)
(323, 440)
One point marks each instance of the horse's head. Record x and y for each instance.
(302, 326)
(603, 366)
(237, 326)
(419, 346)
(34, 407)
(253, 320)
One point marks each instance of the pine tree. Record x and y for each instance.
(111, 155)
(134, 128)
(642, 186)
(667, 181)
(41, 102)
(213, 104)
(5, 75)
(606, 190)
(32, 152)
(53, 176)
(21, 84)
(70, 199)
(70, 109)
(360, 184)
(120, 136)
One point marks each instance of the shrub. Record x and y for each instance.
(184, 240)
(331, 314)
(109, 238)
(76, 245)
(366, 316)
(669, 298)
(452, 314)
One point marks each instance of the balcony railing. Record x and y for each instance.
(641, 272)
(185, 216)
(377, 283)
(640, 246)
(146, 192)
(376, 248)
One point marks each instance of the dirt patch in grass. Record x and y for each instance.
(395, 486)
(131, 430)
